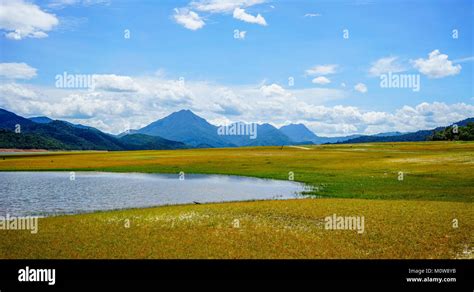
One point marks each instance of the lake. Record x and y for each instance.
(54, 193)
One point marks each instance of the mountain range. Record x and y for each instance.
(421, 135)
(181, 129)
(56, 134)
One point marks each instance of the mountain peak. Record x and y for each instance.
(298, 133)
(187, 127)
(184, 112)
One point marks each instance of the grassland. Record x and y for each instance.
(409, 218)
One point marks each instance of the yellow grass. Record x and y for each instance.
(412, 218)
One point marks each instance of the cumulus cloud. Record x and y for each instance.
(223, 6)
(385, 65)
(114, 107)
(189, 19)
(273, 90)
(321, 80)
(112, 82)
(187, 16)
(361, 87)
(17, 71)
(240, 14)
(13, 90)
(20, 19)
(321, 70)
(437, 65)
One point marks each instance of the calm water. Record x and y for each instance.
(50, 193)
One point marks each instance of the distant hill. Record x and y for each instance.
(265, 135)
(388, 134)
(298, 133)
(41, 120)
(423, 135)
(464, 122)
(409, 137)
(12, 140)
(464, 131)
(47, 120)
(269, 135)
(64, 135)
(146, 142)
(182, 129)
(301, 134)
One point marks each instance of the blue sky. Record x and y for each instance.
(229, 79)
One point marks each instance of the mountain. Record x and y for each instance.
(339, 139)
(301, 134)
(269, 135)
(178, 130)
(46, 120)
(41, 120)
(185, 126)
(464, 122)
(464, 131)
(388, 134)
(64, 135)
(298, 133)
(9, 120)
(12, 140)
(146, 142)
(423, 135)
(408, 137)
(256, 135)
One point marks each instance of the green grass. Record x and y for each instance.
(268, 229)
(412, 218)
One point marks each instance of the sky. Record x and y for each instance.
(331, 65)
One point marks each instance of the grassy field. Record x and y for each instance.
(409, 218)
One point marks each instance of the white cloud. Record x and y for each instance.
(321, 70)
(187, 16)
(20, 19)
(361, 87)
(112, 82)
(189, 19)
(321, 80)
(223, 6)
(240, 14)
(436, 66)
(59, 4)
(125, 102)
(312, 15)
(273, 90)
(17, 71)
(16, 90)
(385, 65)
